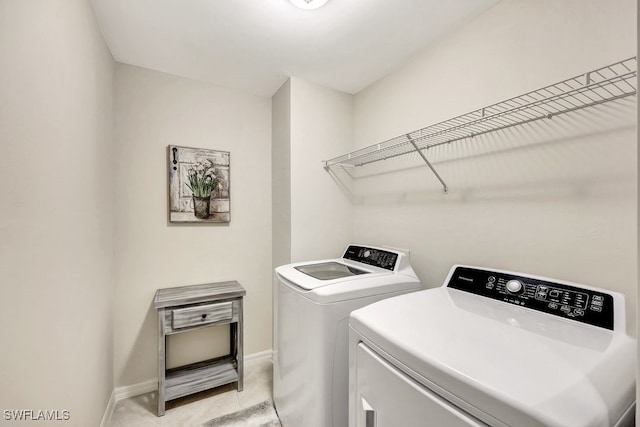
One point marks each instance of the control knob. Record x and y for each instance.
(515, 287)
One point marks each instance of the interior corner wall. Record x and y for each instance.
(637, 281)
(556, 198)
(152, 111)
(321, 206)
(281, 174)
(56, 224)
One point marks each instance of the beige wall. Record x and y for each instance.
(281, 174)
(152, 111)
(56, 221)
(312, 216)
(556, 198)
(321, 211)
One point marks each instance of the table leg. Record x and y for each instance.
(161, 362)
(240, 348)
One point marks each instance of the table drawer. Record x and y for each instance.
(201, 315)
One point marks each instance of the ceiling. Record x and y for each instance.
(255, 45)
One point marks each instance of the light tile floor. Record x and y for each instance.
(195, 410)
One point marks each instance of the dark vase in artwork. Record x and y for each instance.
(201, 206)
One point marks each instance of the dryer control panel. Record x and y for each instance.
(584, 305)
(372, 256)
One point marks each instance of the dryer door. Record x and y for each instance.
(386, 397)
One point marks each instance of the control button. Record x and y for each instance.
(367, 253)
(542, 289)
(492, 279)
(578, 312)
(596, 308)
(554, 293)
(515, 287)
(596, 303)
(553, 305)
(565, 308)
(598, 298)
(489, 286)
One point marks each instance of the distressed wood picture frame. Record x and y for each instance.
(199, 188)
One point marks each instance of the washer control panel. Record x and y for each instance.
(372, 256)
(584, 305)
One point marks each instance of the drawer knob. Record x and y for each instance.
(204, 316)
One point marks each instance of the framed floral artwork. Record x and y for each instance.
(198, 185)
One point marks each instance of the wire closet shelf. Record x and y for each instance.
(609, 83)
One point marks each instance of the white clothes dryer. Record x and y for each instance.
(493, 348)
(312, 303)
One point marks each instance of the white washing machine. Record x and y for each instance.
(493, 348)
(312, 302)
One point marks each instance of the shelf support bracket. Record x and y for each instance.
(419, 151)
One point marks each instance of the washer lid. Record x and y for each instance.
(330, 270)
(504, 364)
(316, 274)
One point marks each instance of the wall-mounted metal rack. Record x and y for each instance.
(596, 87)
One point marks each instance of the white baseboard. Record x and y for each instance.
(259, 357)
(127, 391)
(109, 411)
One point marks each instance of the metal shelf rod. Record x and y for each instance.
(419, 151)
